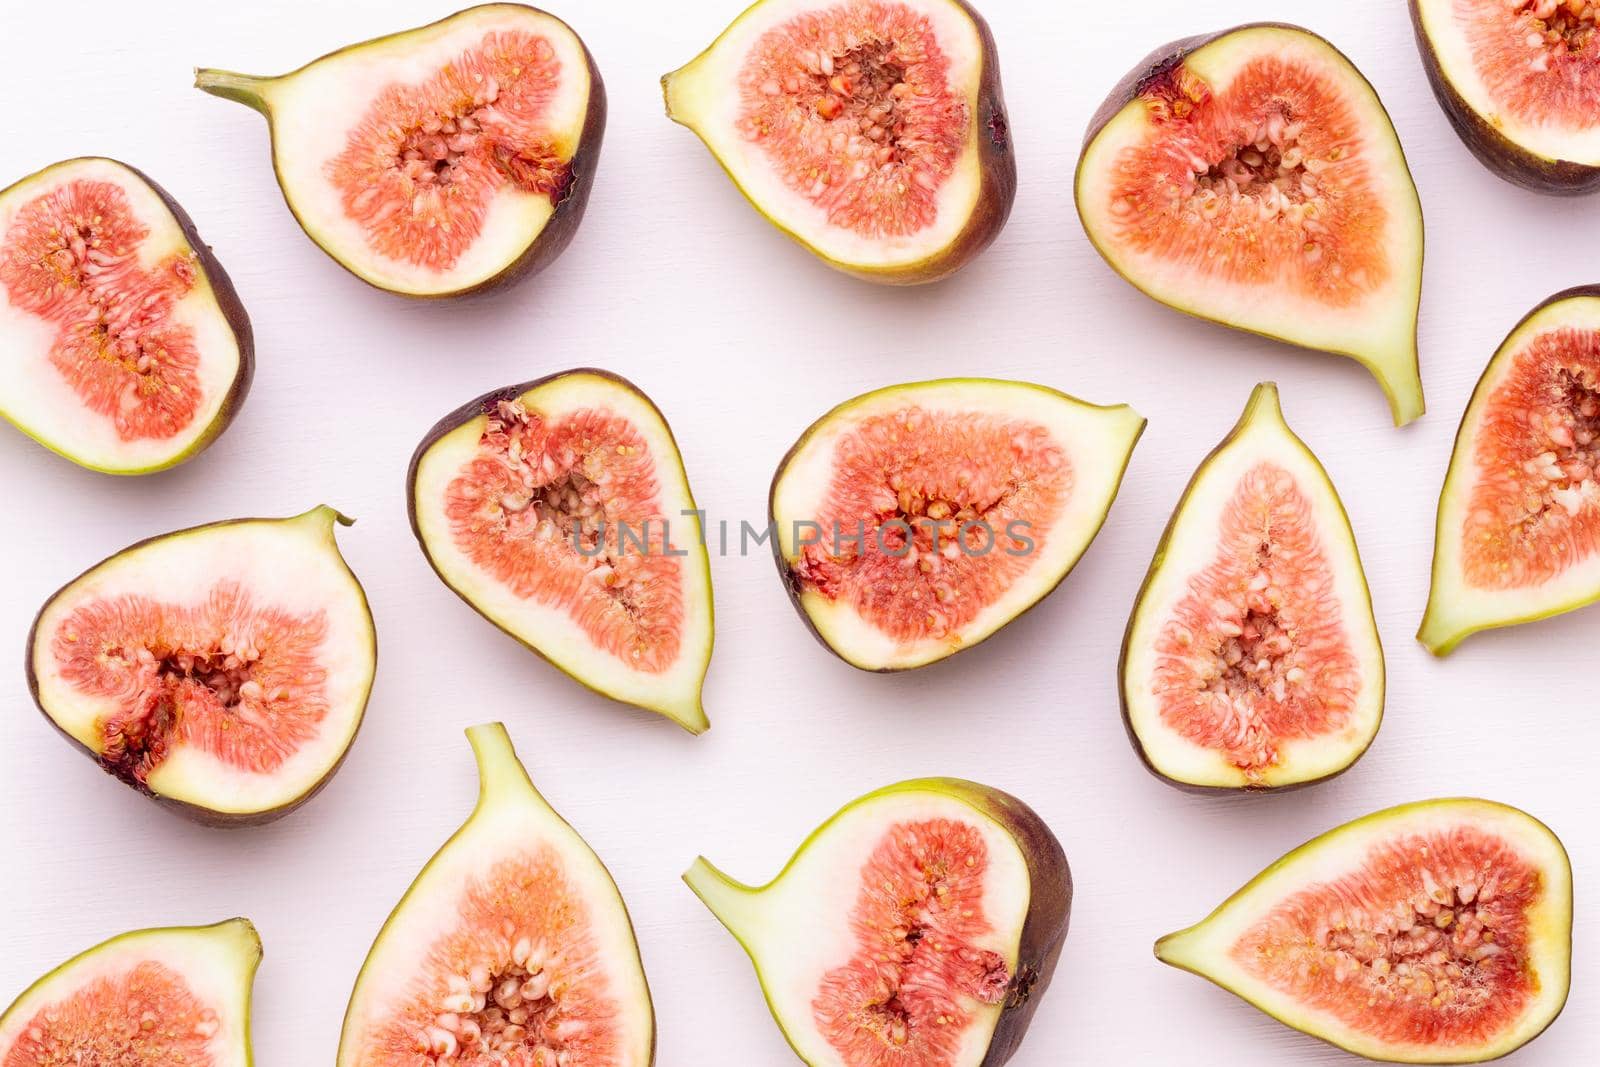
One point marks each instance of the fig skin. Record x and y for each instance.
(786, 575)
(1442, 646)
(558, 231)
(1044, 930)
(1161, 62)
(996, 160)
(193, 812)
(228, 302)
(472, 409)
(1504, 157)
(1193, 788)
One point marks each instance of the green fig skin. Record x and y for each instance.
(1496, 151)
(1159, 64)
(997, 163)
(786, 574)
(1193, 788)
(193, 812)
(558, 231)
(475, 408)
(1044, 931)
(228, 302)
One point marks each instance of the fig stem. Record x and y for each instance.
(500, 773)
(733, 903)
(247, 89)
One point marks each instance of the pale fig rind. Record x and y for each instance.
(321, 522)
(1262, 426)
(510, 814)
(1203, 949)
(682, 702)
(1110, 433)
(543, 246)
(222, 293)
(1388, 349)
(990, 141)
(1038, 941)
(1486, 137)
(1456, 611)
(228, 953)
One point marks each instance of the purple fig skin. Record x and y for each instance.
(1506, 158)
(227, 300)
(193, 812)
(561, 227)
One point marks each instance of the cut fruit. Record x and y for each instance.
(512, 946)
(873, 132)
(1519, 518)
(913, 522)
(1518, 80)
(1436, 932)
(127, 350)
(1252, 178)
(919, 927)
(222, 670)
(439, 161)
(151, 998)
(560, 511)
(1252, 658)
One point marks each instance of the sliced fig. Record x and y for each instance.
(1435, 932)
(560, 511)
(1253, 178)
(913, 522)
(1519, 518)
(222, 670)
(919, 926)
(151, 998)
(874, 134)
(1518, 80)
(439, 161)
(127, 350)
(513, 946)
(1252, 658)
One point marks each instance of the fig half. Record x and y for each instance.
(1518, 536)
(222, 670)
(1435, 932)
(560, 511)
(874, 134)
(1252, 658)
(126, 349)
(151, 998)
(1518, 80)
(915, 521)
(439, 161)
(513, 946)
(1253, 178)
(918, 926)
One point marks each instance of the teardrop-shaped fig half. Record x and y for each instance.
(222, 670)
(874, 134)
(915, 521)
(1252, 658)
(151, 998)
(513, 946)
(1434, 932)
(560, 511)
(125, 347)
(439, 161)
(1518, 536)
(1518, 80)
(919, 926)
(1253, 178)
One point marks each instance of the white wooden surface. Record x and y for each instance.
(742, 339)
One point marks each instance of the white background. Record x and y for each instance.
(742, 339)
